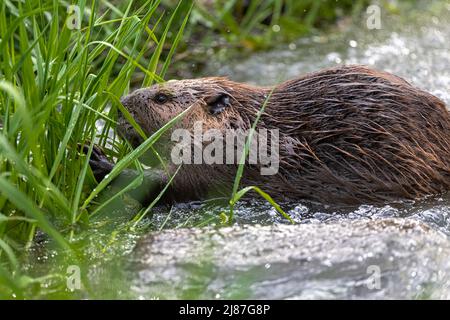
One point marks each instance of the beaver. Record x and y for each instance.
(347, 135)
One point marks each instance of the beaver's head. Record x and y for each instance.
(217, 102)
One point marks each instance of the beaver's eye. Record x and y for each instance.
(161, 98)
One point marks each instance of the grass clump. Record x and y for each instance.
(58, 85)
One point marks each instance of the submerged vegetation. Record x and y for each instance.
(61, 79)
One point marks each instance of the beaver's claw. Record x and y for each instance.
(100, 164)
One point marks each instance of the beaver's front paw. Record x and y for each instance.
(100, 164)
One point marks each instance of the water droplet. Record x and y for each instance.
(353, 43)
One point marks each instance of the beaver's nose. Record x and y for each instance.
(127, 102)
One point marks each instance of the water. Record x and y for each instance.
(395, 258)
(394, 251)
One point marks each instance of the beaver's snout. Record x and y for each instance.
(124, 128)
(122, 122)
(127, 102)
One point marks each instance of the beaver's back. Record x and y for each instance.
(353, 135)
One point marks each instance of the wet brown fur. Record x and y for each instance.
(348, 135)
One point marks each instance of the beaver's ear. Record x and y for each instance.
(218, 103)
